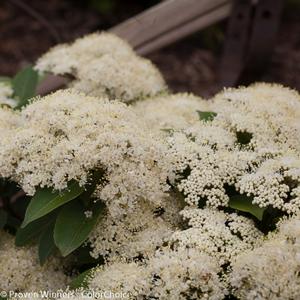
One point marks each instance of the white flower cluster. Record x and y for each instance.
(171, 112)
(272, 270)
(104, 65)
(180, 274)
(170, 165)
(6, 93)
(67, 135)
(218, 234)
(269, 112)
(251, 147)
(138, 234)
(211, 160)
(21, 271)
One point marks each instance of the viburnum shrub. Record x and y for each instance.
(116, 184)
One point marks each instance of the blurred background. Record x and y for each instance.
(28, 28)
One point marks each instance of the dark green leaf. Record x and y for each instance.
(73, 227)
(83, 256)
(96, 177)
(46, 244)
(244, 137)
(206, 115)
(24, 85)
(45, 201)
(33, 230)
(244, 203)
(270, 219)
(81, 280)
(3, 218)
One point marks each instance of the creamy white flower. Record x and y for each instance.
(69, 58)
(218, 234)
(185, 273)
(270, 271)
(127, 79)
(21, 271)
(67, 135)
(138, 234)
(251, 147)
(121, 277)
(169, 274)
(171, 112)
(102, 64)
(269, 112)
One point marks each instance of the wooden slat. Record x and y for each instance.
(235, 46)
(185, 30)
(163, 18)
(51, 83)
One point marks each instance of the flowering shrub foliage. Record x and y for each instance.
(115, 184)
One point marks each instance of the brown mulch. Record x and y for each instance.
(186, 65)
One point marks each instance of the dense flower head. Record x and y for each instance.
(21, 271)
(104, 65)
(247, 148)
(68, 58)
(138, 234)
(128, 278)
(171, 112)
(270, 271)
(218, 234)
(269, 112)
(67, 135)
(194, 275)
(125, 79)
(181, 274)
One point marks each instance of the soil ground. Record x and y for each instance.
(188, 65)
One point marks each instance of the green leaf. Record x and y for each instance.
(24, 85)
(206, 115)
(46, 244)
(3, 218)
(33, 230)
(83, 256)
(244, 138)
(81, 280)
(244, 203)
(45, 201)
(96, 177)
(73, 227)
